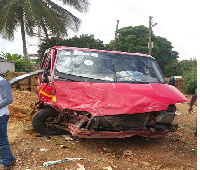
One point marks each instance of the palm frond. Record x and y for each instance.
(44, 13)
(80, 5)
(8, 21)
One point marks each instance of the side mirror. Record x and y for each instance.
(46, 77)
(172, 81)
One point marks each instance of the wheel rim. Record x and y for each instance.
(49, 122)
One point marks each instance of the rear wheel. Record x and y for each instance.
(42, 122)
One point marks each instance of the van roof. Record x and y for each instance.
(88, 49)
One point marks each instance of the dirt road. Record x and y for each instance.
(176, 151)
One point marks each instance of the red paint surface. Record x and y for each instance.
(112, 98)
(83, 133)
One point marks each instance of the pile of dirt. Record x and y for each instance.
(23, 104)
(179, 84)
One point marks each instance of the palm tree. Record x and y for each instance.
(46, 14)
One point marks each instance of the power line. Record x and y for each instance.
(133, 9)
(102, 32)
(163, 33)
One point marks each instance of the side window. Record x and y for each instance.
(48, 65)
(43, 60)
(46, 61)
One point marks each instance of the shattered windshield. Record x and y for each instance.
(111, 67)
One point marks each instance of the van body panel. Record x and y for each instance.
(115, 98)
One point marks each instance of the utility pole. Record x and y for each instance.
(115, 41)
(151, 25)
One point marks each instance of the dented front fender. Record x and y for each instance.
(112, 98)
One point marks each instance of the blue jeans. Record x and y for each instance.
(6, 155)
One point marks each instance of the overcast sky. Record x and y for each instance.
(177, 21)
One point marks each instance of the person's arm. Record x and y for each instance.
(193, 100)
(5, 93)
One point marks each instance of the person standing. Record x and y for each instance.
(192, 101)
(6, 157)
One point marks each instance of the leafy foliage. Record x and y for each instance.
(10, 57)
(172, 69)
(49, 16)
(131, 39)
(22, 64)
(190, 84)
(84, 41)
(180, 68)
(185, 68)
(135, 39)
(163, 53)
(53, 41)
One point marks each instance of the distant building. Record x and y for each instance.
(6, 66)
(33, 56)
(178, 77)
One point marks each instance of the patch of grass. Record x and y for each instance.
(99, 160)
(191, 127)
(194, 151)
(189, 143)
(57, 143)
(72, 146)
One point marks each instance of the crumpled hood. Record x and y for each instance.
(116, 98)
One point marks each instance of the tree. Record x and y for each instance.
(185, 68)
(83, 41)
(51, 17)
(189, 72)
(190, 84)
(135, 39)
(53, 41)
(172, 69)
(180, 68)
(163, 52)
(131, 39)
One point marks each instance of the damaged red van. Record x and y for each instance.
(104, 94)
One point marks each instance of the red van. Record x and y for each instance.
(104, 94)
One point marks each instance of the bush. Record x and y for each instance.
(190, 84)
(23, 65)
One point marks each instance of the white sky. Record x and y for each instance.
(178, 22)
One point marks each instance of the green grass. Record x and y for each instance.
(72, 146)
(189, 143)
(191, 127)
(194, 151)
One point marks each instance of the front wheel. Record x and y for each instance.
(43, 118)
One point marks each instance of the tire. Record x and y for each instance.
(39, 122)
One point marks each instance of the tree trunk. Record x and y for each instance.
(23, 36)
(45, 32)
(24, 41)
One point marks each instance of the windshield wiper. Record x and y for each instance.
(149, 68)
(71, 77)
(115, 76)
